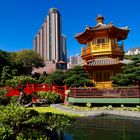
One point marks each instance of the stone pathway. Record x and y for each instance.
(96, 113)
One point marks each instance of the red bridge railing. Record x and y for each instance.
(30, 88)
(118, 92)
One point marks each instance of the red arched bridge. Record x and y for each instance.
(30, 88)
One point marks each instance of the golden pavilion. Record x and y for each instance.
(103, 52)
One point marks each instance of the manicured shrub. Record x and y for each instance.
(110, 107)
(3, 99)
(48, 97)
(122, 106)
(1, 84)
(138, 107)
(17, 122)
(88, 104)
(57, 120)
(20, 80)
(12, 119)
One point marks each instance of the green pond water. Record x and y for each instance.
(103, 128)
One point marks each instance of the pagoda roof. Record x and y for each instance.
(100, 62)
(89, 32)
(107, 61)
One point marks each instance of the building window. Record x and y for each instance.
(100, 40)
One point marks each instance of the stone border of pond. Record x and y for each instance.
(96, 113)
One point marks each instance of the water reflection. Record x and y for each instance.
(104, 128)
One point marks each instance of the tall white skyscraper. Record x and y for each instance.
(49, 42)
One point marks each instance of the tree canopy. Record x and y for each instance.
(77, 77)
(4, 59)
(74, 77)
(26, 60)
(57, 78)
(130, 74)
(132, 57)
(18, 63)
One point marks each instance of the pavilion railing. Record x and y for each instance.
(103, 47)
(117, 92)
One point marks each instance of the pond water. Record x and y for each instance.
(103, 128)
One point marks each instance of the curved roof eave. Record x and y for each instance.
(81, 36)
(89, 30)
(124, 29)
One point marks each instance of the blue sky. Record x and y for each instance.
(20, 20)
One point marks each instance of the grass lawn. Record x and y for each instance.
(52, 110)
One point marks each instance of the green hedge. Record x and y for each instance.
(48, 97)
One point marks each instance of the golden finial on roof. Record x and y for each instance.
(100, 19)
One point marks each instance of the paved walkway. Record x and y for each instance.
(96, 113)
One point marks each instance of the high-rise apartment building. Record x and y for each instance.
(74, 61)
(64, 49)
(49, 42)
(133, 51)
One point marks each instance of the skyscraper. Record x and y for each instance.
(75, 61)
(49, 42)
